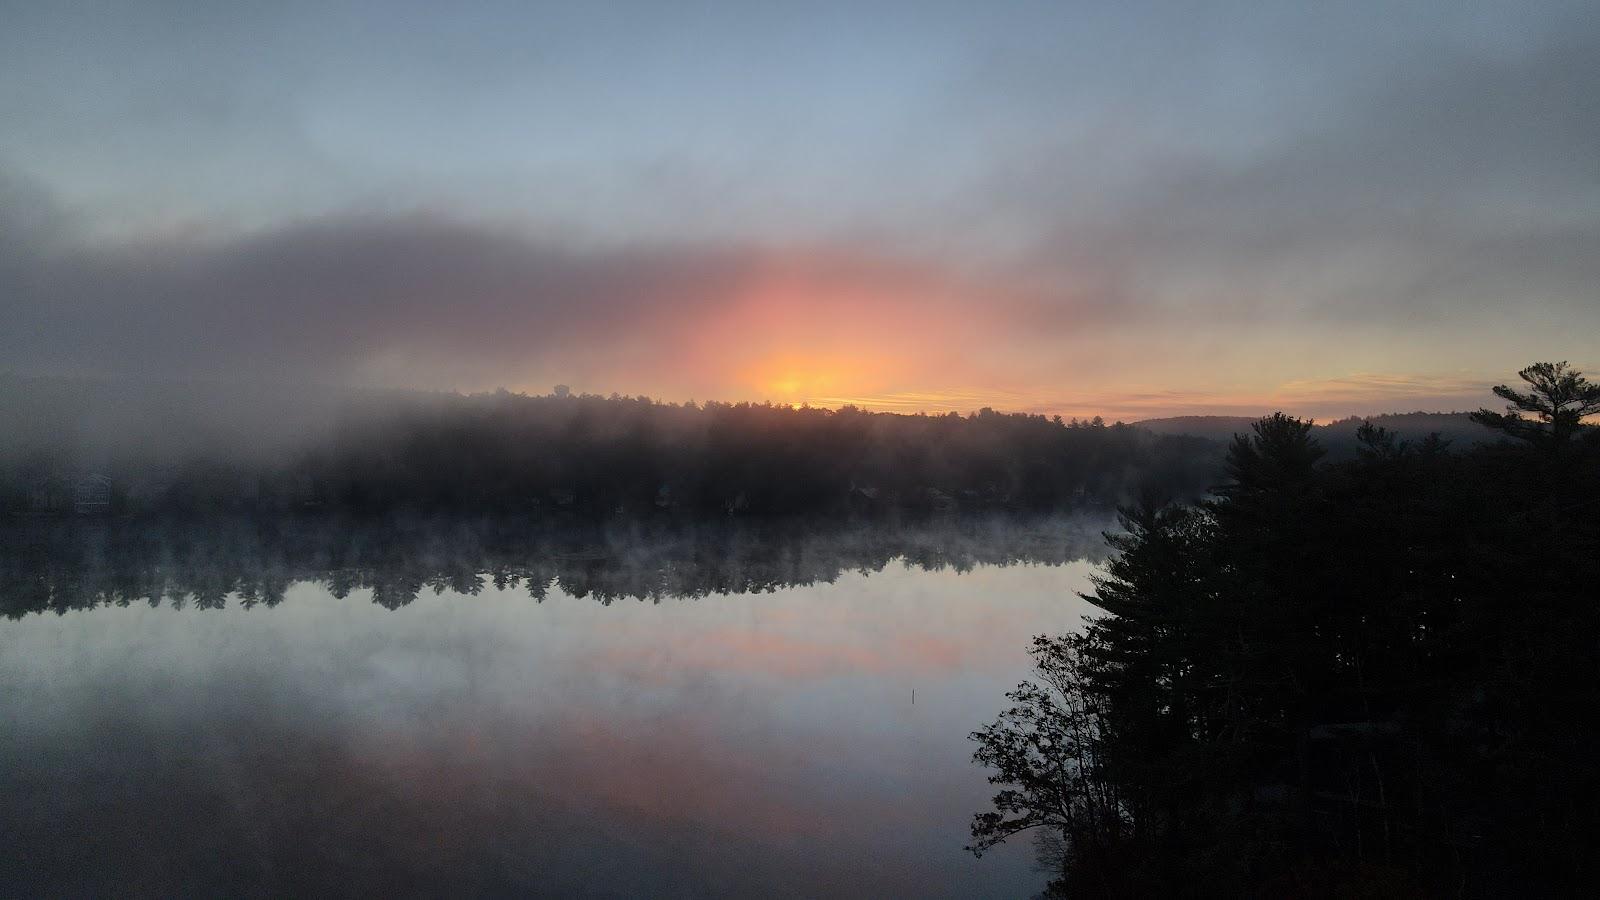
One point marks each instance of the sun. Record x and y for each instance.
(787, 386)
(795, 385)
(794, 380)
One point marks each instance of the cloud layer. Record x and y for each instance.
(1142, 212)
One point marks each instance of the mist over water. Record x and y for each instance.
(721, 711)
(673, 450)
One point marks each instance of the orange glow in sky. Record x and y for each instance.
(825, 329)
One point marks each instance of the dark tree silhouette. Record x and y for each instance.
(1372, 676)
(580, 455)
(1042, 749)
(1559, 398)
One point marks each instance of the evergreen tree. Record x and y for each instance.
(1376, 676)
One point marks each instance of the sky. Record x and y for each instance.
(1132, 209)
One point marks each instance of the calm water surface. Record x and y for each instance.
(484, 741)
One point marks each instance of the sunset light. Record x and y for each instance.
(868, 449)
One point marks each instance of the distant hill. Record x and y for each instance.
(1456, 427)
(1215, 428)
(1337, 435)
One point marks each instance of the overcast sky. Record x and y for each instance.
(1130, 208)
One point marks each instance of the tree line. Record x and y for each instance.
(1371, 677)
(595, 456)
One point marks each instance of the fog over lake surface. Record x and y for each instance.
(734, 717)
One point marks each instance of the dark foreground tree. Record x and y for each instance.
(1560, 398)
(1043, 751)
(1372, 677)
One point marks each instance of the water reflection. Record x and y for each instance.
(471, 741)
(59, 566)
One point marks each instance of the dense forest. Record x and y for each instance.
(1371, 677)
(572, 454)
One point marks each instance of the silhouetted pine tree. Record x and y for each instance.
(1375, 676)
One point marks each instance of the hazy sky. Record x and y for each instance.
(1129, 208)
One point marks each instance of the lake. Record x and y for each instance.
(772, 710)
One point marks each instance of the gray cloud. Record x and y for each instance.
(323, 297)
(1419, 173)
(1453, 184)
(428, 300)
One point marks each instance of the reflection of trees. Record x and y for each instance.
(207, 564)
